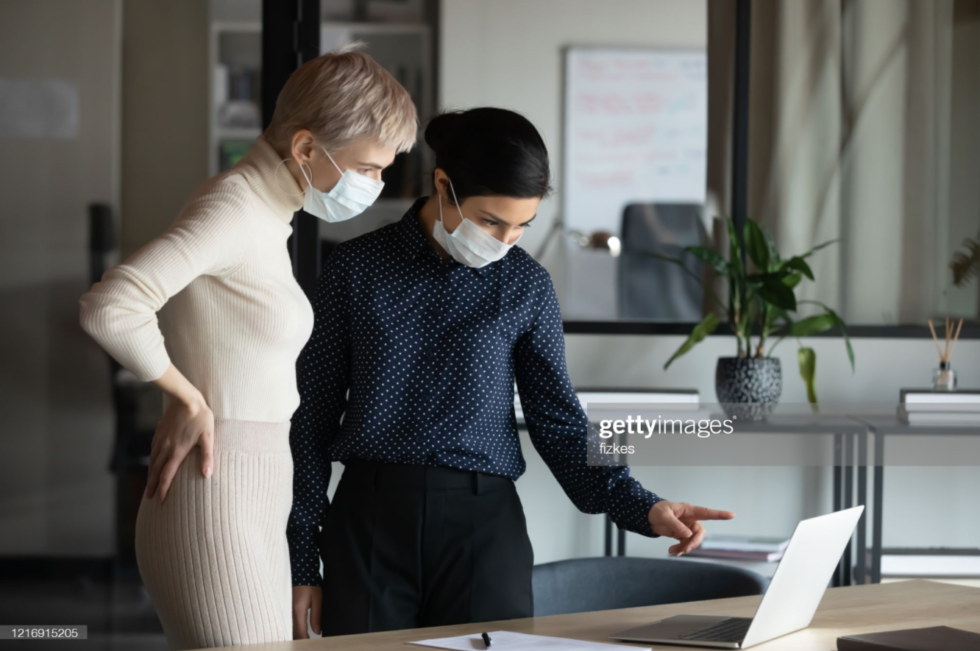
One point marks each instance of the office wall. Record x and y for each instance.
(508, 53)
(140, 69)
(165, 113)
(55, 425)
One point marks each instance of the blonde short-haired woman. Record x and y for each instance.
(211, 533)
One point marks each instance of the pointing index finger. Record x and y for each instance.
(702, 513)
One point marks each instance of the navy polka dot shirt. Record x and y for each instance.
(429, 350)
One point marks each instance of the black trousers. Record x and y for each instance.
(411, 546)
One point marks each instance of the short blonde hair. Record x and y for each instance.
(340, 97)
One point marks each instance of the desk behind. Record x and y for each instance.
(850, 610)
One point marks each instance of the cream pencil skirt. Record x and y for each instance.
(213, 556)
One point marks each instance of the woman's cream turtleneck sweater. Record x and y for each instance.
(234, 320)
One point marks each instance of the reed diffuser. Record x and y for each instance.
(944, 378)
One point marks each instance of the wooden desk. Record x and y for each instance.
(855, 609)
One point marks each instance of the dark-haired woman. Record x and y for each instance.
(427, 323)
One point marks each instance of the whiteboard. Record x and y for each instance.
(636, 130)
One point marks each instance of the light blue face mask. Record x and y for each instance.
(352, 195)
(469, 244)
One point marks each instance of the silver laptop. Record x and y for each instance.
(788, 605)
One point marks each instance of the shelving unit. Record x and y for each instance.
(405, 49)
(233, 45)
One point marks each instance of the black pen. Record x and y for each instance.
(486, 640)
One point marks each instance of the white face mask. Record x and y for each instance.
(469, 244)
(349, 198)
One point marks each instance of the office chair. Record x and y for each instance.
(654, 289)
(134, 405)
(588, 584)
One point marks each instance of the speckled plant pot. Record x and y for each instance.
(748, 388)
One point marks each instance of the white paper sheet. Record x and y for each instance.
(519, 642)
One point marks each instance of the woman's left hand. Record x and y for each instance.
(682, 521)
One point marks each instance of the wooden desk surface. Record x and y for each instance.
(856, 609)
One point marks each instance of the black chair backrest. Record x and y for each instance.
(101, 239)
(654, 289)
(590, 584)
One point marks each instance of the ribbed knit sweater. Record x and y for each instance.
(214, 556)
(233, 318)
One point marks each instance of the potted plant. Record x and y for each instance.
(965, 265)
(761, 300)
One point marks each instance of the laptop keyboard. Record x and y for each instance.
(732, 629)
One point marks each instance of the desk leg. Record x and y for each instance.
(848, 470)
(838, 499)
(861, 571)
(879, 499)
(609, 535)
(838, 458)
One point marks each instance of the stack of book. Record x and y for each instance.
(953, 408)
(742, 548)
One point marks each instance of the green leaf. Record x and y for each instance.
(966, 264)
(775, 291)
(792, 280)
(755, 244)
(711, 257)
(772, 314)
(771, 243)
(798, 264)
(775, 274)
(812, 325)
(787, 323)
(819, 246)
(735, 247)
(680, 263)
(708, 325)
(754, 309)
(843, 329)
(808, 371)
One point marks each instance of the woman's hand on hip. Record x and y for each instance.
(187, 422)
(306, 599)
(682, 521)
